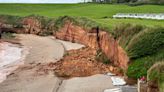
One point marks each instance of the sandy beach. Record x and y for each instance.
(41, 50)
(44, 50)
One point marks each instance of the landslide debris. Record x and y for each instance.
(79, 63)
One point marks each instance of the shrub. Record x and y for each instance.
(125, 32)
(12, 20)
(156, 73)
(145, 43)
(139, 67)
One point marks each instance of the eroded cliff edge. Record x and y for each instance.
(71, 32)
(107, 43)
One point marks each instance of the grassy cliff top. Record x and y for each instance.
(88, 10)
(101, 13)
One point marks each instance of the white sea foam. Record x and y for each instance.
(11, 56)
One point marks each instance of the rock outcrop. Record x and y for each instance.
(32, 25)
(106, 43)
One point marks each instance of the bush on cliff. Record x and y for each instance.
(139, 41)
(146, 42)
(125, 32)
(156, 75)
(12, 20)
(140, 66)
(144, 46)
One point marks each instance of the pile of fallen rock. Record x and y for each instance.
(79, 63)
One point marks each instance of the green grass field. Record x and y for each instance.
(93, 11)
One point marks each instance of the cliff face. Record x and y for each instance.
(28, 25)
(107, 43)
(77, 34)
(32, 26)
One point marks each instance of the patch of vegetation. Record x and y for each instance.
(146, 42)
(156, 73)
(101, 57)
(140, 66)
(161, 87)
(144, 45)
(125, 32)
(7, 35)
(111, 23)
(12, 20)
(138, 40)
(79, 21)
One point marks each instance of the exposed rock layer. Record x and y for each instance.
(106, 43)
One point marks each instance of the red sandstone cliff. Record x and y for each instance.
(77, 34)
(107, 43)
(29, 25)
(32, 25)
